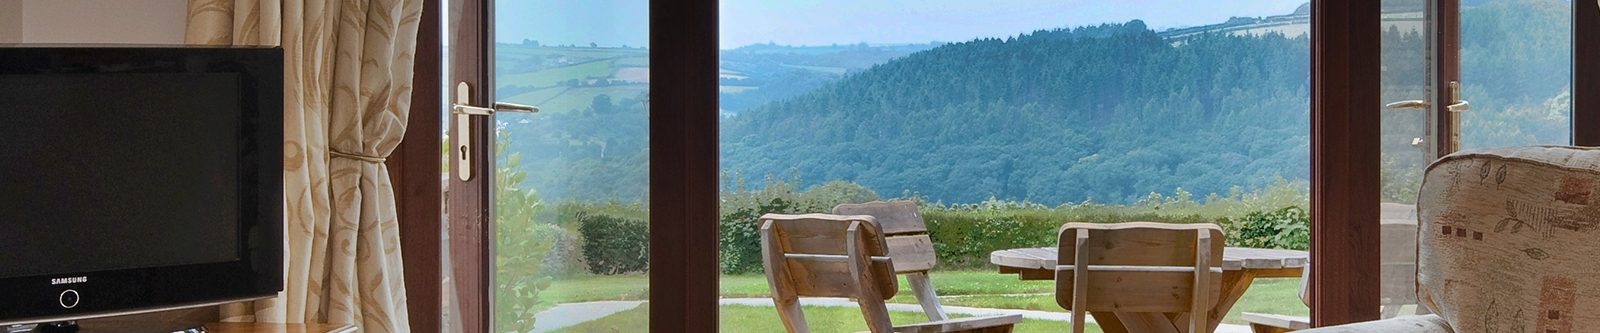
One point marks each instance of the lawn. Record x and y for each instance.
(985, 289)
(754, 319)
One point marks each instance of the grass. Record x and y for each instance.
(755, 319)
(552, 76)
(985, 289)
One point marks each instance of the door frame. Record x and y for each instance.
(1345, 71)
(471, 216)
(683, 166)
(1344, 74)
(1585, 73)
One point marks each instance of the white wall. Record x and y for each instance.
(10, 21)
(95, 21)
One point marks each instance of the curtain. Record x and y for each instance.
(347, 91)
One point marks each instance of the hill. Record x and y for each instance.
(1112, 113)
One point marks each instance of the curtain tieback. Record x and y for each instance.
(368, 158)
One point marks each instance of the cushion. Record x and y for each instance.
(1510, 238)
(1407, 324)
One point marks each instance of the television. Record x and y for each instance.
(138, 179)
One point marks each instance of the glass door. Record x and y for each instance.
(549, 177)
(1511, 59)
(1417, 74)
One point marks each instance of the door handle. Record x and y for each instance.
(464, 113)
(1458, 106)
(1411, 104)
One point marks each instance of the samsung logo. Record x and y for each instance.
(69, 280)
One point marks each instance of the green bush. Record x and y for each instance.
(739, 238)
(519, 271)
(614, 245)
(964, 235)
(1286, 228)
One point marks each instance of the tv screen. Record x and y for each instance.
(135, 179)
(123, 170)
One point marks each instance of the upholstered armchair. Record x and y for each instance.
(1508, 242)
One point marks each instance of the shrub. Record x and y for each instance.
(964, 236)
(1286, 228)
(520, 270)
(614, 245)
(739, 238)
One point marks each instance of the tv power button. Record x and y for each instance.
(69, 299)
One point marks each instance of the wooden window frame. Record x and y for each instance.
(414, 172)
(683, 165)
(684, 158)
(683, 173)
(1345, 68)
(1585, 73)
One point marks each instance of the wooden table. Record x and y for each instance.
(1240, 267)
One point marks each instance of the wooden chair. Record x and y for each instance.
(823, 255)
(1398, 227)
(1154, 277)
(909, 246)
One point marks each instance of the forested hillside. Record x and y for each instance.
(1113, 112)
(1109, 113)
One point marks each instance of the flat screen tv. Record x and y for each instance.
(137, 179)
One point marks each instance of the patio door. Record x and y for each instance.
(1510, 59)
(548, 135)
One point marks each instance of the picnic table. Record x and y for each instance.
(1240, 267)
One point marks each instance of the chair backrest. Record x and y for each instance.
(907, 234)
(1508, 239)
(811, 255)
(1142, 262)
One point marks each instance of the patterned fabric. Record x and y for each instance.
(1509, 240)
(347, 84)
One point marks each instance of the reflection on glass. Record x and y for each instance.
(571, 182)
(1002, 123)
(1405, 150)
(1516, 69)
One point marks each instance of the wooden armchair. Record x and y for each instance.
(1153, 277)
(822, 255)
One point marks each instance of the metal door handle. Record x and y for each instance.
(463, 135)
(498, 107)
(1411, 104)
(1459, 106)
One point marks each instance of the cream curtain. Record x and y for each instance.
(347, 87)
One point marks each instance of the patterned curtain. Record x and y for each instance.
(347, 90)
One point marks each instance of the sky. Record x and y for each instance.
(823, 22)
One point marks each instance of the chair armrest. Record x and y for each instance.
(960, 324)
(1408, 324)
(1290, 323)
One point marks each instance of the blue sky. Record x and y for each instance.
(821, 22)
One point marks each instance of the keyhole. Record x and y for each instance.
(463, 152)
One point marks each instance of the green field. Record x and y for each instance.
(543, 76)
(754, 319)
(983, 289)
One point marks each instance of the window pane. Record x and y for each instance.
(1516, 70)
(1004, 122)
(1404, 148)
(571, 182)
